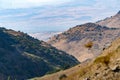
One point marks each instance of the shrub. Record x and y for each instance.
(62, 76)
(103, 59)
(89, 44)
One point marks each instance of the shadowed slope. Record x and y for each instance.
(23, 57)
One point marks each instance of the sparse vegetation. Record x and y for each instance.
(106, 66)
(103, 59)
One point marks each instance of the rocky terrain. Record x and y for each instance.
(104, 67)
(85, 41)
(94, 41)
(113, 21)
(23, 57)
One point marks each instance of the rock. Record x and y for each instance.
(115, 68)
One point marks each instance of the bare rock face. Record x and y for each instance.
(113, 21)
(85, 41)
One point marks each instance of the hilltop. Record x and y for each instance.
(113, 21)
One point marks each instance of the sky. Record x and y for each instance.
(53, 15)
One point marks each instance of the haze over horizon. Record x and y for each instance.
(53, 15)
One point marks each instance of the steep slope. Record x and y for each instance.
(23, 57)
(113, 21)
(104, 67)
(85, 41)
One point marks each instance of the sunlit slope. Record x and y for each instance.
(104, 67)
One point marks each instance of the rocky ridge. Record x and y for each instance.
(112, 22)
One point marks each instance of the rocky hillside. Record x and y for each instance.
(104, 67)
(85, 41)
(23, 57)
(113, 21)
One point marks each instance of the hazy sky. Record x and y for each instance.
(53, 15)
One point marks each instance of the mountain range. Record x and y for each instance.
(90, 45)
(100, 42)
(88, 40)
(44, 35)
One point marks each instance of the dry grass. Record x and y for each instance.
(103, 59)
(102, 62)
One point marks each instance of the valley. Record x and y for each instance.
(95, 46)
(59, 39)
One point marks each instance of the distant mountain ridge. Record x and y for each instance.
(75, 39)
(112, 22)
(44, 35)
(23, 57)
